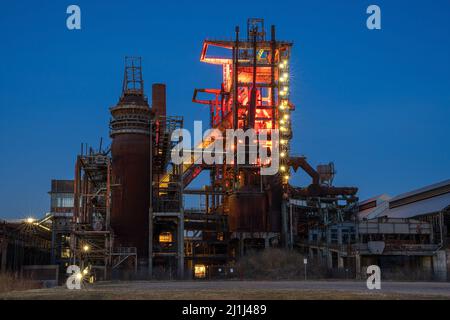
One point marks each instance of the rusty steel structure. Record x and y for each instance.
(24, 243)
(130, 152)
(255, 94)
(90, 235)
(129, 208)
(125, 213)
(94, 243)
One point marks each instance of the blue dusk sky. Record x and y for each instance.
(376, 102)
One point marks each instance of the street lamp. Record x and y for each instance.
(30, 220)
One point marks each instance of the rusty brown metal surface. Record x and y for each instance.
(130, 151)
(247, 211)
(300, 162)
(130, 196)
(274, 196)
(315, 190)
(62, 186)
(159, 99)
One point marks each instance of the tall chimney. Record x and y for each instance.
(130, 151)
(159, 99)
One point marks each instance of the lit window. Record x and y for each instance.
(65, 253)
(200, 271)
(165, 237)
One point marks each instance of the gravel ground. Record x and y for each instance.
(193, 290)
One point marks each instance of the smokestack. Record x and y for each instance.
(159, 99)
(130, 151)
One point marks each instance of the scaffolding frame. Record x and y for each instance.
(91, 238)
(166, 202)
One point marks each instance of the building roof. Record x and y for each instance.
(428, 200)
(373, 206)
(421, 208)
(431, 187)
(378, 198)
(375, 212)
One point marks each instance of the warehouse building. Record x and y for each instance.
(407, 236)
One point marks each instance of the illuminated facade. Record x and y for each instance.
(254, 93)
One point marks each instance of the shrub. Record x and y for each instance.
(12, 282)
(277, 264)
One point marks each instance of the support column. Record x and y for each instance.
(427, 264)
(340, 261)
(53, 245)
(321, 254)
(241, 247)
(284, 224)
(329, 259)
(180, 242)
(328, 235)
(440, 265)
(266, 242)
(150, 209)
(339, 234)
(3, 257)
(358, 266)
(150, 243)
(291, 227)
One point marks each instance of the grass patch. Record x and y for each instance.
(12, 282)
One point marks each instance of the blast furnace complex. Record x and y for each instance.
(125, 213)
